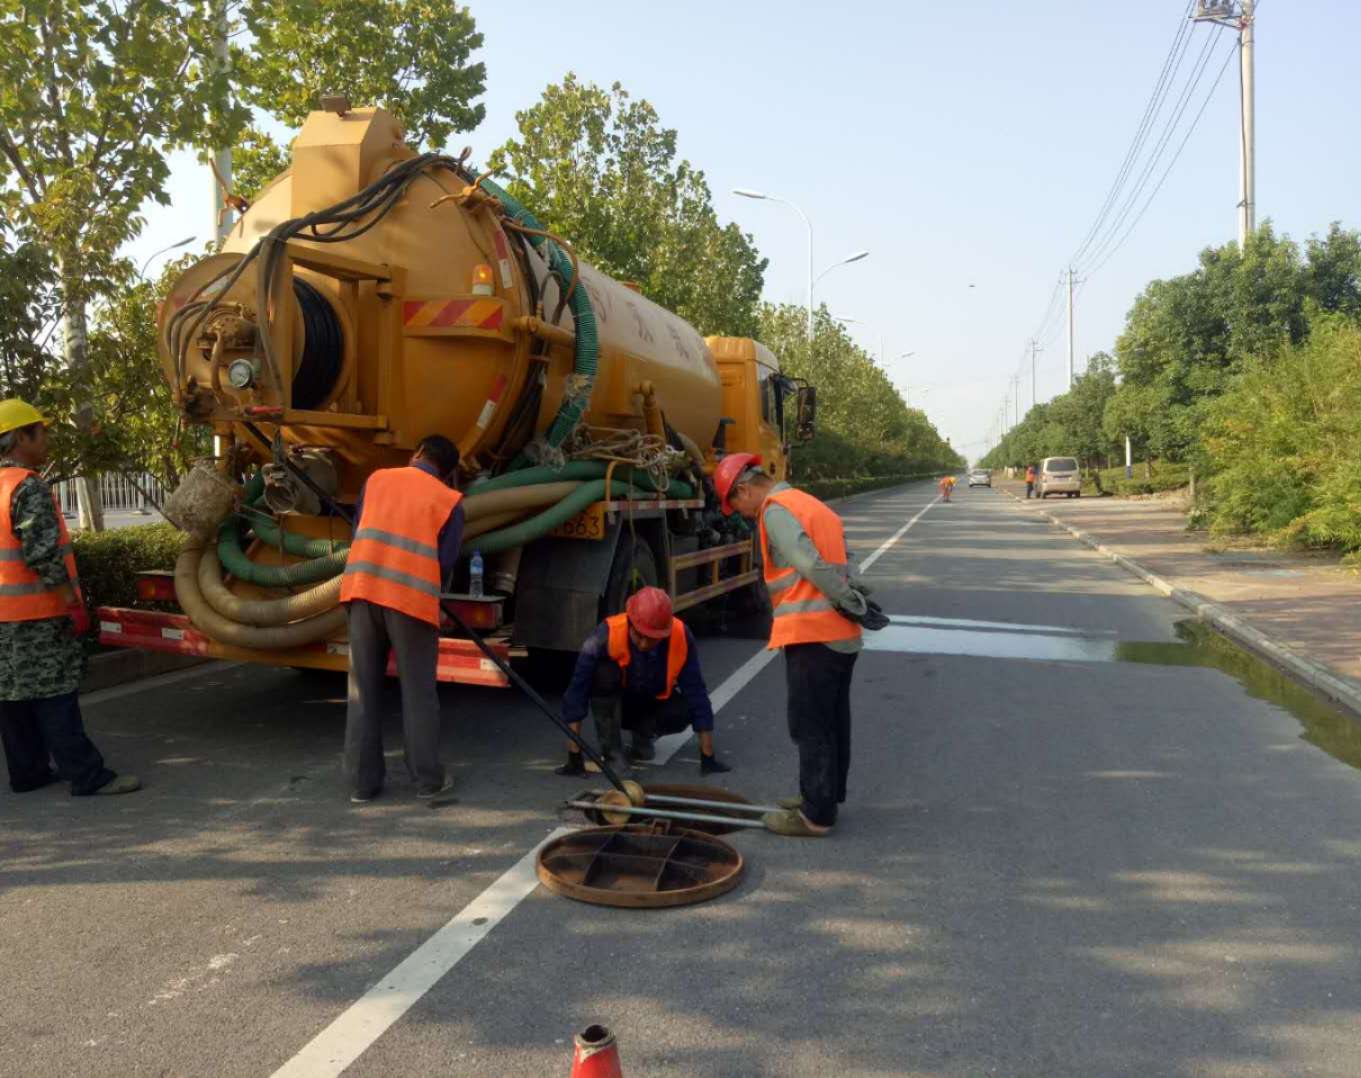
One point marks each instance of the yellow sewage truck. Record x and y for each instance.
(372, 295)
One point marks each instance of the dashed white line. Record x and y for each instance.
(368, 1018)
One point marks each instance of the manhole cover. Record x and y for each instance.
(639, 867)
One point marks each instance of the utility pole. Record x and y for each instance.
(1035, 349)
(1072, 345)
(1247, 218)
(1241, 18)
(222, 158)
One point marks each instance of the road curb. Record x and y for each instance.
(1336, 688)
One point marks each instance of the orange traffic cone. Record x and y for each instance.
(596, 1054)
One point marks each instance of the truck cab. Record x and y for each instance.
(755, 399)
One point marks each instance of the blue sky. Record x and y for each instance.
(962, 144)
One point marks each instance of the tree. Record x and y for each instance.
(92, 96)
(412, 57)
(599, 169)
(29, 309)
(864, 426)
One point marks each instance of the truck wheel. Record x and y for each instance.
(634, 567)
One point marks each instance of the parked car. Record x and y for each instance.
(980, 477)
(1059, 475)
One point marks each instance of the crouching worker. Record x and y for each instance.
(639, 671)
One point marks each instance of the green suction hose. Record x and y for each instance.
(586, 348)
(579, 469)
(526, 531)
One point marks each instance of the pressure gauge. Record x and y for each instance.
(241, 373)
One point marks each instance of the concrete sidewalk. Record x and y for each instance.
(1301, 611)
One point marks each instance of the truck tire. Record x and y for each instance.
(634, 567)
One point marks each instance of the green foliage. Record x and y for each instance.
(1284, 443)
(256, 160)
(598, 168)
(411, 57)
(844, 488)
(1070, 424)
(864, 426)
(108, 562)
(92, 96)
(28, 308)
(1148, 478)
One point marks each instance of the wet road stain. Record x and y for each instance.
(1324, 724)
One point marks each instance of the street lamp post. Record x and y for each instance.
(745, 192)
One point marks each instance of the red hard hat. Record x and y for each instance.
(649, 611)
(727, 473)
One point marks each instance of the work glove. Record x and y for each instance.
(874, 617)
(80, 618)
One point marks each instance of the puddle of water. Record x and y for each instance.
(1325, 726)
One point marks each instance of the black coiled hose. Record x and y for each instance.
(322, 349)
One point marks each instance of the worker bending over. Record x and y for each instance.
(639, 671)
(947, 485)
(818, 607)
(409, 527)
(42, 618)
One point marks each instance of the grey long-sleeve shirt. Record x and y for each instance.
(791, 547)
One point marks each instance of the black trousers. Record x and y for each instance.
(818, 680)
(1029, 490)
(373, 630)
(39, 733)
(644, 715)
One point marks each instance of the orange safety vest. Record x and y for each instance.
(803, 614)
(394, 559)
(1030, 475)
(23, 596)
(678, 648)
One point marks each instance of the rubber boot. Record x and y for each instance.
(605, 712)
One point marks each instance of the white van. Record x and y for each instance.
(1059, 475)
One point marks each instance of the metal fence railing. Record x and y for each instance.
(118, 492)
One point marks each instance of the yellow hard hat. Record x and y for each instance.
(16, 413)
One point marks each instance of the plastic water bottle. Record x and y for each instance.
(475, 575)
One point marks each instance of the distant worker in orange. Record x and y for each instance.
(406, 541)
(1030, 481)
(639, 671)
(947, 485)
(818, 608)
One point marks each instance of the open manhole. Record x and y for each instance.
(639, 867)
(712, 795)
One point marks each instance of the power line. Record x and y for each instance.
(1155, 158)
(1171, 164)
(1166, 78)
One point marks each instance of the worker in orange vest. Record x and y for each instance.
(1030, 481)
(818, 609)
(947, 484)
(639, 671)
(406, 541)
(42, 618)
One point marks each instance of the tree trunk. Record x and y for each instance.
(89, 507)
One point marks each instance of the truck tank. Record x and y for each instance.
(439, 318)
(372, 296)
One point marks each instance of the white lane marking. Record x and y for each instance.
(738, 680)
(351, 1034)
(369, 1017)
(864, 565)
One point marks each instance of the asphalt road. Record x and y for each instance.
(1052, 862)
